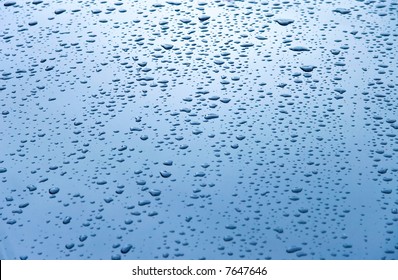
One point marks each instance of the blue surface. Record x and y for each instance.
(198, 130)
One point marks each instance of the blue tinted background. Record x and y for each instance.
(188, 130)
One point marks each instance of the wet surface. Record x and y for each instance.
(198, 130)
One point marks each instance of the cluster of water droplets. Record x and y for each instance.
(198, 129)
